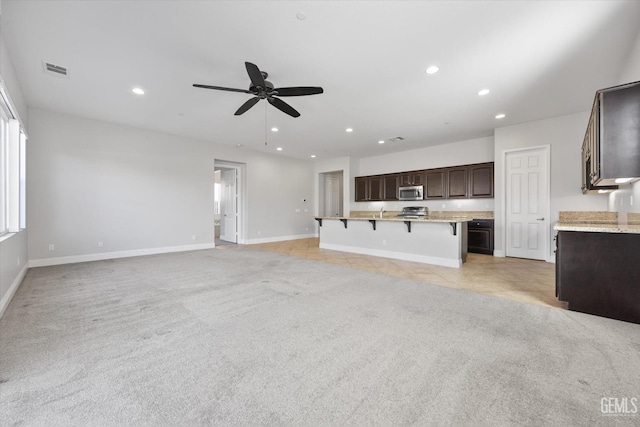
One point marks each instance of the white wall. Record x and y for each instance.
(13, 248)
(565, 135)
(635, 193)
(135, 189)
(631, 71)
(478, 150)
(457, 153)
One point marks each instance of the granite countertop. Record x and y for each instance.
(395, 218)
(599, 222)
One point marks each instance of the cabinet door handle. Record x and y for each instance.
(539, 219)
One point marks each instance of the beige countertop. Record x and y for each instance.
(599, 222)
(597, 228)
(400, 219)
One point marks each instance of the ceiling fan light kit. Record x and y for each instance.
(263, 89)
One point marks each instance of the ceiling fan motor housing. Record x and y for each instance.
(267, 89)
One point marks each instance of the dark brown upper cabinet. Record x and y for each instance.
(391, 184)
(412, 178)
(435, 184)
(457, 182)
(611, 147)
(481, 180)
(369, 188)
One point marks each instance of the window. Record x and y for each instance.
(4, 170)
(12, 167)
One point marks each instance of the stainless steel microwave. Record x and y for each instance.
(414, 192)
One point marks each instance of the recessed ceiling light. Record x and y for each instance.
(313, 156)
(483, 92)
(433, 69)
(501, 116)
(137, 91)
(381, 142)
(279, 148)
(349, 130)
(274, 129)
(301, 16)
(238, 145)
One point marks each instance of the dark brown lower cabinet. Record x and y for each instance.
(599, 273)
(480, 237)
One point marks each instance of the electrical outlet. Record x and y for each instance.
(18, 262)
(100, 243)
(51, 247)
(298, 210)
(193, 237)
(384, 242)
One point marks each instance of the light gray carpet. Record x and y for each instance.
(242, 336)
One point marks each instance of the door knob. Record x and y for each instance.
(539, 219)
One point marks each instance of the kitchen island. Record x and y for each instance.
(434, 240)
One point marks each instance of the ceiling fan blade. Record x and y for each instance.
(244, 107)
(298, 91)
(283, 106)
(230, 89)
(255, 75)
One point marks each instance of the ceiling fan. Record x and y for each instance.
(263, 89)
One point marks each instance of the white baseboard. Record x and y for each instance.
(279, 239)
(498, 253)
(120, 254)
(6, 299)
(445, 262)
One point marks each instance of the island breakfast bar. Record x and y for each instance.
(431, 240)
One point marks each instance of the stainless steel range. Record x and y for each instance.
(414, 212)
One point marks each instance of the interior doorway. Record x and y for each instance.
(527, 203)
(332, 192)
(228, 203)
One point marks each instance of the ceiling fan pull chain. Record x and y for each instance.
(265, 124)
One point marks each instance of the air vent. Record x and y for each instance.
(55, 70)
(396, 139)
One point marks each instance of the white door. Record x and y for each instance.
(332, 205)
(229, 223)
(527, 201)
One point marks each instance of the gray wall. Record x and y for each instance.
(135, 189)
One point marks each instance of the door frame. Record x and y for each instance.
(241, 194)
(322, 180)
(503, 207)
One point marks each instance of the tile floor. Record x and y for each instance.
(517, 279)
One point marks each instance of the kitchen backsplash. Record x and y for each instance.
(433, 205)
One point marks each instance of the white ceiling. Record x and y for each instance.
(539, 59)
